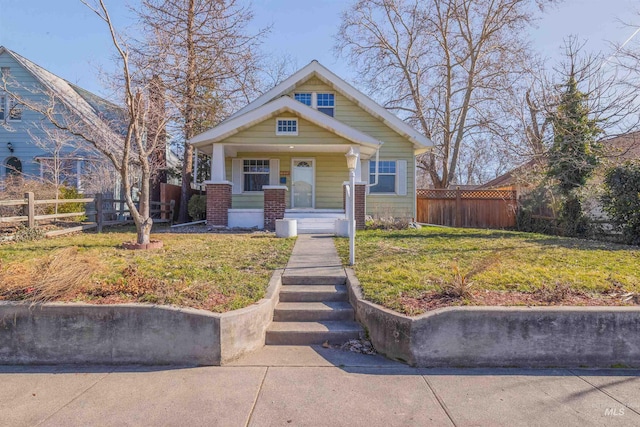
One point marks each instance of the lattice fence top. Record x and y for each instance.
(428, 193)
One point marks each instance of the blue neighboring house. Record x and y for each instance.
(19, 126)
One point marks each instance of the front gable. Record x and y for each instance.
(352, 106)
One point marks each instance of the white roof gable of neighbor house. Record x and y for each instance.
(315, 69)
(244, 121)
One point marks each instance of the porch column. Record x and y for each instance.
(218, 202)
(274, 205)
(218, 173)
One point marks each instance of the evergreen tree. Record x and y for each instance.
(574, 154)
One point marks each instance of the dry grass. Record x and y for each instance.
(215, 272)
(412, 271)
(48, 278)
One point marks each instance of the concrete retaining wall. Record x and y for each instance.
(56, 333)
(504, 336)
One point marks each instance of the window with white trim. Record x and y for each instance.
(326, 103)
(305, 98)
(386, 177)
(255, 174)
(286, 126)
(323, 102)
(10, 108)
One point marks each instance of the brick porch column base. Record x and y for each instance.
(218, 203)
(361, 208)
(274, 205)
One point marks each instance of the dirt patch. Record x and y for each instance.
(433, 300)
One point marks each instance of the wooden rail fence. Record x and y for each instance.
(104, 211)
(467, 208)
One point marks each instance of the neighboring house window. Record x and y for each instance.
(255, 174)
(13, 166)
(10, 109)
(386, 177)
(305, 98)
(286, 126)
(15, 110)
(326, 103)
(323, 102)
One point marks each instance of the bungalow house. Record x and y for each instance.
(283, 156)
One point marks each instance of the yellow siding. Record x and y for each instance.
(331, 168)
(395, 147)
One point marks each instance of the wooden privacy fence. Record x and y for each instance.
(467, 208)
(104, 211)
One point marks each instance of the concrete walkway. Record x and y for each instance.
(314, 386)
(314, 259)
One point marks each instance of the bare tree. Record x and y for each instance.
(442, 64)
(123, 137)
(202, 51)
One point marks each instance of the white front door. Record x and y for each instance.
(303, 183)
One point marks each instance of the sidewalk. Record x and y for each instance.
(314, 386)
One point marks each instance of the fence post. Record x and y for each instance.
(458, 208)
(31, 209)
(99, 204)
(172, 206)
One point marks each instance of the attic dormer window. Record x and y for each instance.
(305, 98)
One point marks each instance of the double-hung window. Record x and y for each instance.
(386, 177)
(255, 174)
(323, 102)
(305, 98)
(326, 103)
(3, 106)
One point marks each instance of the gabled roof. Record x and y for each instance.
(90, 107)
(283, 104)
(315, 69)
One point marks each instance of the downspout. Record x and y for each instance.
(375, 174)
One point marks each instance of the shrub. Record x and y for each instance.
(386, 223)
(197, 207)
(621, 200)
(70, 193)
(24, 234)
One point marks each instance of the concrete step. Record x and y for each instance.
(292, 279)
(309, 333)
(313, 311)
(315, 231)
(313, 293)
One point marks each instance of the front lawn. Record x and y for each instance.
(412, 271)
(217, 272)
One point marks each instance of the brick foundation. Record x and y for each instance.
(360, 205)
(274, 206)
(218, 204)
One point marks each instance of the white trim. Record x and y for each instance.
(313, 184)
(242, 172)
(217, 182)
(293, 119)
(274, 108)
(420, 142)
(275, 187)
(397, 188)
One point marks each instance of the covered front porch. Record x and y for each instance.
(253, 188)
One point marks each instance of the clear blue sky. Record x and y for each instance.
(66, 38)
